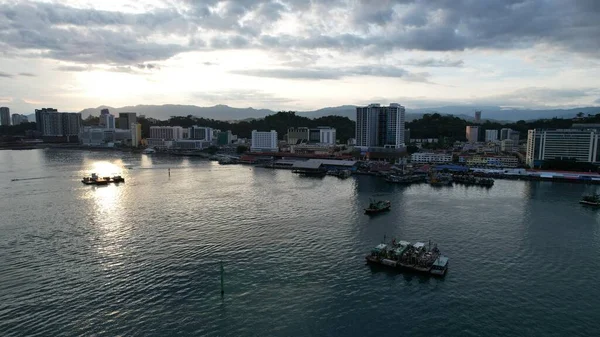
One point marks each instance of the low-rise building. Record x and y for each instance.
(488, 161)
(430, 158)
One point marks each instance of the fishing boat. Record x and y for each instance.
(416, 257)
(378, 206)
(590, 200)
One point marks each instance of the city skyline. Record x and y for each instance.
(296, 56)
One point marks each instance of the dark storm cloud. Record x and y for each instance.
(335, 73)
(89, 36)
(5, 75)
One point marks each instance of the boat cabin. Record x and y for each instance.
(379, 249)
(419, 246)
(440, 265)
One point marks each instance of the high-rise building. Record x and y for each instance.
(200, 133)
(107, 121)
(18, 119)
(477, 117)
(166, 132)
(39, 121)
(264, 141)
(505, 133)
(126, 119)
(136, 134)
(52, 123)
(71, 123)
(224, 137)
(515, 136)
(571, 144)
(491, 135)
(380, 126)
(472, 133)
(4, 116)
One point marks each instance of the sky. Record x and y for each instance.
(299, 54)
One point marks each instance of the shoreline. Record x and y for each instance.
(574, 177)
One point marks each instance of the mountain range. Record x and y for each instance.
(224, 112)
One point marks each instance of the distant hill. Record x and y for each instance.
(224, 112)
(220, 112)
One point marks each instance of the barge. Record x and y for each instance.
(94, 179)
(406, 256)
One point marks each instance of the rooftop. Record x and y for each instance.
(309, 164)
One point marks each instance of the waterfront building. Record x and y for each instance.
(19, 119)
(136, 134)
(380, 126)
(567, 144)
(200, 133)
(126, 119)
(489, 161)
(472, 134)
(321, 134)
(166, 132)
(39, 121)
(430, 157)
(58, 126)
(491, 135)
(190, 144)
(4, 116)
(264, 141)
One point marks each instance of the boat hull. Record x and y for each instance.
(589, 203)
(405, 267)
(375, 211)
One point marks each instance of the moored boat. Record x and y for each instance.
(378, 206)
(415, 257)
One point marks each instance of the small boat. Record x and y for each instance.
(118, 179)
(149, 151)
(591, 200)
(378, 206)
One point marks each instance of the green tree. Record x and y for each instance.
(241, 149)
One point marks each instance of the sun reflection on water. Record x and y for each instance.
(104, 169)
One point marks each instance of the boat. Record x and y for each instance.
(416, 257)
(440, 180)
(590, 200)
(94, 179)
(149, 151)
(342, 174)
(405, 179)
(472, 180)
(378, 206)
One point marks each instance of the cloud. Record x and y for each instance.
(73, 68)
(5, 75)
(27, 74)
(90, 36)
(335, 73)
(597, 101)
(431, 62)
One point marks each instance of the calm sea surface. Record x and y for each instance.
(142, 258)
